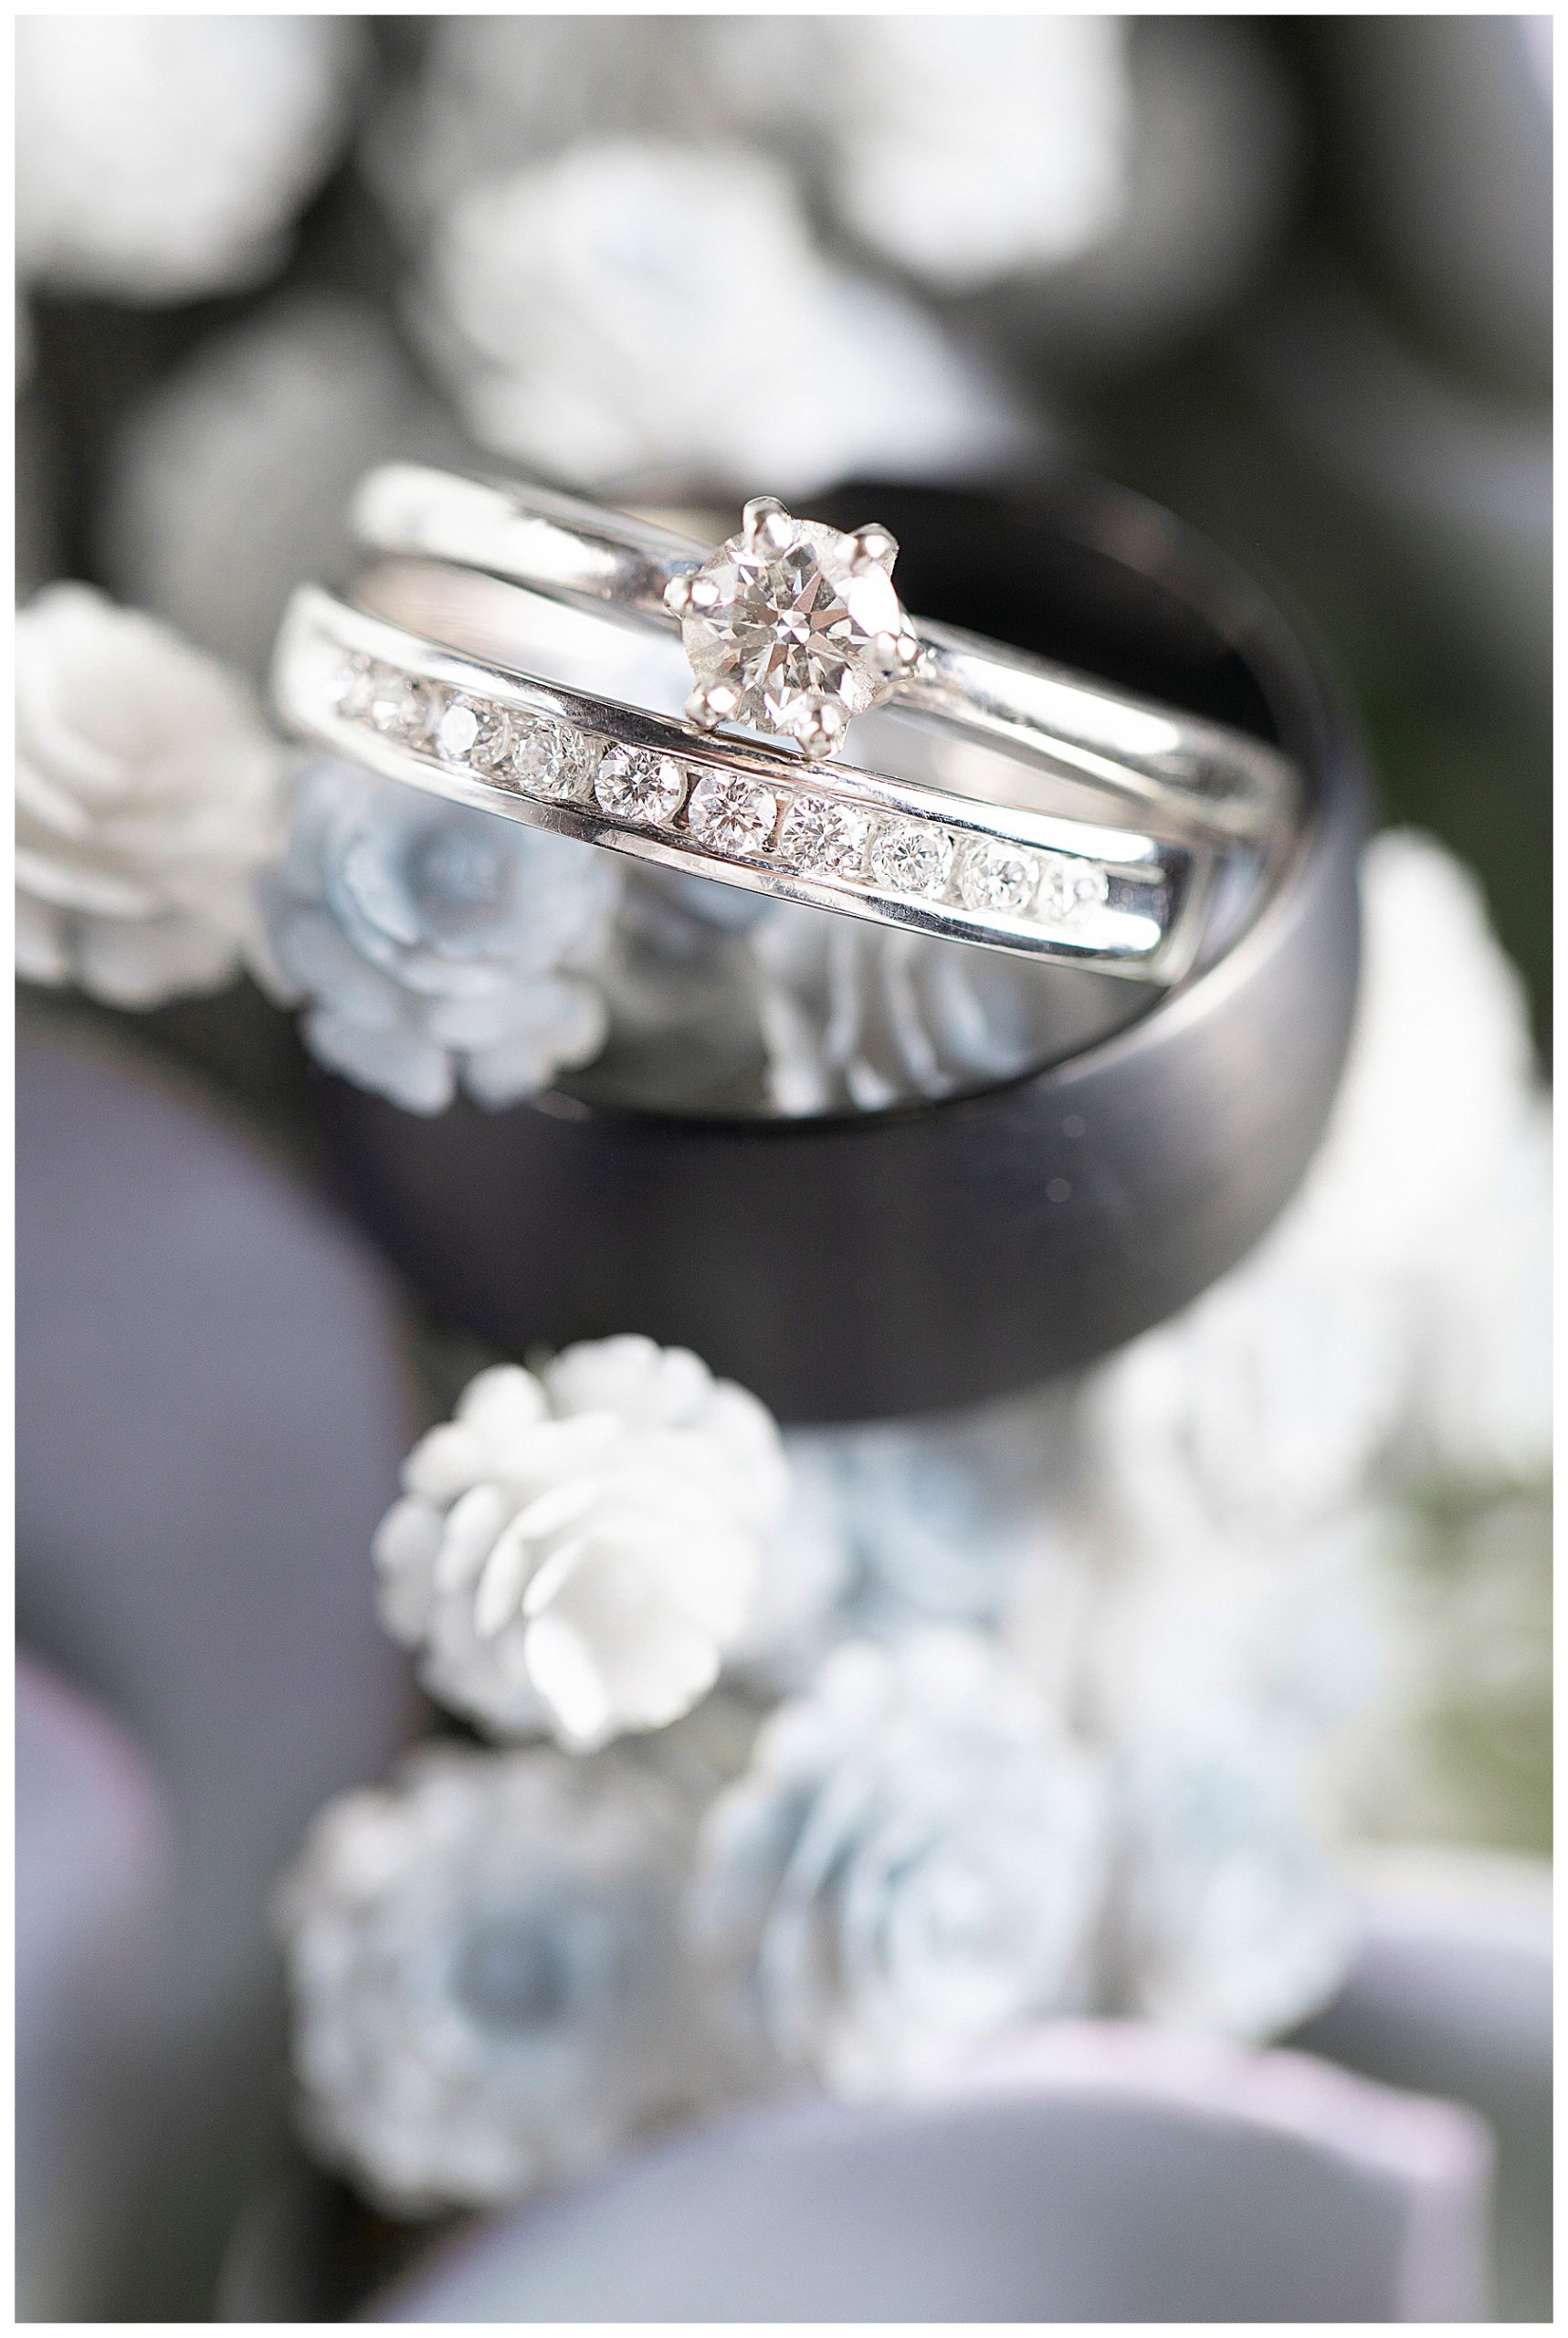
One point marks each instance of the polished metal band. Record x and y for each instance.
(897, 852)
(1186, 779)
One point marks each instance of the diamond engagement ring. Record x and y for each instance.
(972, 824)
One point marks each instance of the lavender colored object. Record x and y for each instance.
(93, 1893)
(1093, 2173)
(211, 1415)
(1450, 1991)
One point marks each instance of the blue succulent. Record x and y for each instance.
(435, 947)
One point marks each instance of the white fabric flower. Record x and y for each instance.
(634, 307)
(147, 799)
(970, 148)
(1286, 1388)
(258, 437)
(1481, 1405)
(490, 1990)
(1295, 1629)
(1230, 1915)
(911, 1862)
(862, 1017)
(576, 1549)
(1263, 1407)
(163, 158)
(1441, 1075)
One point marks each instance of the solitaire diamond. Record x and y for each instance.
(1070, 887)
(912, 856)
(636, 785)
(551, 759)
(732, 814)
(792, 627)
(996, 876)
(822, 839)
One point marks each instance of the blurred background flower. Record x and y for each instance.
(639, 310)
(910, 1864)
(147, 803)
(256, 108)
(490, 1986)
(435, 947)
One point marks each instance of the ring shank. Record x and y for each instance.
(1192, 781)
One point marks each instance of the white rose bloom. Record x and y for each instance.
(1481, 1409)
(862, 1017)
(489, 1989)
(258, 437)
(148, 798)
(1263, 1407)
(1296, 1627)
(578, 1548)
(627, 309)
(970, 148)
(1441, 1073)
(163, 158)
(1229, 1917)
(912, 1862)
(1278, 1395)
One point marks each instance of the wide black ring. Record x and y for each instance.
(866, 1265)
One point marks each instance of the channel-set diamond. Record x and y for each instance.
(349, 690)
(995, 875)
(912, 856)
(732, 814)
(637, 784)
(820, 838)
(552, 759)
(399, 706)
(469, 731)
(1068, 888)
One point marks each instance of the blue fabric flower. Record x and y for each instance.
(912, 1862)
(435, 946)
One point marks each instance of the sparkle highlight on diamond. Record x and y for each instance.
(820, 838)
(731, 814)
(635, 784)
(551, 759)
(995, 875)
(912, 856)
(792, 627)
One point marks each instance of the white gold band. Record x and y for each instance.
(1063, 891)
(1186, 779)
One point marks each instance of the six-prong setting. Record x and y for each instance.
(793, 628)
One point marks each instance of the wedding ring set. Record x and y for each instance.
(703, 721)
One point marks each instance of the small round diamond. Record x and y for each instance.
(400, 705)
(349, 690)
(551, 759)
(732, 814)
(912, 856)
(822, 839)
(996, 876)
(636, 785)
(1070, 887)
(471, 732)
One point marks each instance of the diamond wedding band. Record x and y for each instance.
(794, 631)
